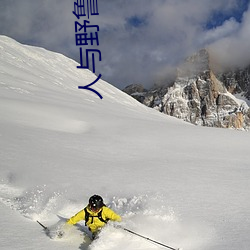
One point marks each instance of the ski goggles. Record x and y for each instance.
(94, 208)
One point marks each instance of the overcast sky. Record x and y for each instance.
(140, 40)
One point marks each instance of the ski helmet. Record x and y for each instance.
(95, 202)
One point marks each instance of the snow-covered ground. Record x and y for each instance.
(181, 185)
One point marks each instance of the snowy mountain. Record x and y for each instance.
(201, 96)
(237, 81)
(182, 185)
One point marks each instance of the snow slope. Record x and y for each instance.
(176, 183)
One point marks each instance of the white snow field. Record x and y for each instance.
(182, 185)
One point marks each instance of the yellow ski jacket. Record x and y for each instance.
(94, 223)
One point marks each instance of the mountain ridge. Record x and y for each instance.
(200, 95)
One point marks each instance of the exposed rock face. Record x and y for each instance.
(134, 88)
(237, 81)
(137, 91)
(199, 97)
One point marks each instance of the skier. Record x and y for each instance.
(95, 214)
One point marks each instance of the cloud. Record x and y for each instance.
(46, 23)
(228, 28)
(140, 40)
(233, 49)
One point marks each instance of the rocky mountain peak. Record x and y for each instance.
(200, 96)
(196, 64)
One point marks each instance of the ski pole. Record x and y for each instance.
(45, 228)
(146, 238)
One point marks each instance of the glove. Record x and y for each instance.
(60, 234)
(62, 229)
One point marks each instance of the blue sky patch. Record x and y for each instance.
(136, 21)
(219, 17)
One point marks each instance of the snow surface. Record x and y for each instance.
(182, 185)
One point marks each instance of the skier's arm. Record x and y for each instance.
(110, 214)
(77, 217)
